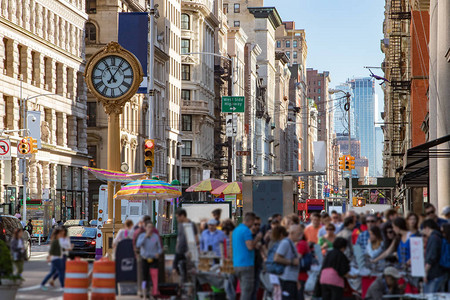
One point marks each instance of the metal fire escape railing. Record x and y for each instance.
(399, 76)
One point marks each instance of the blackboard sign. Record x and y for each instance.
(267, 198)
(126, 269)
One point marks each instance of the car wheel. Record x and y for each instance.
(28, 251)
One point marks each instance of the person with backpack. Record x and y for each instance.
(434, 273)
(288, 256)
(278, 233)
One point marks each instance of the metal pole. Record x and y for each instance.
(24, 160)
(150, 77)
(350, 194)
(233, 140)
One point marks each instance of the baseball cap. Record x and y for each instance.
(212, 222)
(446, 210)
(391, 271)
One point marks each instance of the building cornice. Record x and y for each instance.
(280, 55)
(270, 13)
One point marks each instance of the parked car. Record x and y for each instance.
(77, 222)
(7, 226)
(83, 240)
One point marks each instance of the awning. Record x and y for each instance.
(416, 162)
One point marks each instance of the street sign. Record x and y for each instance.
(242, 153)
(233, 104)
(231, 125)
(5, 149)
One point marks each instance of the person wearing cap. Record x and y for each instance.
(384, 285)
(211, 238)
(446, 213)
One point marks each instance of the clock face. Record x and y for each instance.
(112, 76)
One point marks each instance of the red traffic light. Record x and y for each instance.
(149, 144)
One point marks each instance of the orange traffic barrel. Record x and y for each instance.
(76, 281)
(104, 280)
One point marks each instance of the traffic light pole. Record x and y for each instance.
(350, 187)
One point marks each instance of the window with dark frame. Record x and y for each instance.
(185, 22)
(294, 54)
(185, 46)
(186, 95)
(237, 24)
(91, 114)
(92, 152)
(186, 123)
(91, 6)
(288, 44)
(294, 43)
(187, 149)
(237, 8)
(278, 44)
(185, 72)
(90, 33)
(185, 176)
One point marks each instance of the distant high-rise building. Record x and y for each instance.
(364, 95)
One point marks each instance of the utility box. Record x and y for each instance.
(268, 195)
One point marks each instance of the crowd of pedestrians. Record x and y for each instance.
(279, 256)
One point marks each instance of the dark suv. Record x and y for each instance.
(7, 226)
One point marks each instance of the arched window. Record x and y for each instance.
(90, 33)
(185, 24)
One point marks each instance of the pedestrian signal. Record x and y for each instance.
(149, 155)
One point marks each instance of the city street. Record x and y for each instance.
(34, 271)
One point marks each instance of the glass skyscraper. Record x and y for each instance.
(364, 112)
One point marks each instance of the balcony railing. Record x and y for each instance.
(195, 107)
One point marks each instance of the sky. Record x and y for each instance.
(342, 36)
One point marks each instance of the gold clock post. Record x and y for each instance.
(113, 106)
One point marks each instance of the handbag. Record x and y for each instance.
(265, 281)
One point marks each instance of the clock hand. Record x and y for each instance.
(112, 76)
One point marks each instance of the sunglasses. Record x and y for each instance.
(430, 212)
(257, 224)
(370, 221)
(390, 232)
(330, 229)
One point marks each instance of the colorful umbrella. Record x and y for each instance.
(229, 188)
(147, 189)
(206, 185)
(116, 176)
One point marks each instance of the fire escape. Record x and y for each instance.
(399, 79)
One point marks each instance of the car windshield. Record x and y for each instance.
(78, 231)
(73, 223)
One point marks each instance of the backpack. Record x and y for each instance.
(271, 266)
(306, 262)
(445, 254)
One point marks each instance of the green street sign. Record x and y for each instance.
(233, 104)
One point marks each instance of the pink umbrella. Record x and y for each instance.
(206, 185)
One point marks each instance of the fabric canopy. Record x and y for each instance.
(116, 176)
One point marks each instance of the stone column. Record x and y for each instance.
(61, 79)
(46, 174)
(4, 8)
(51, 75)
(12, 64)
(442, 118)
(28, 62)
(39, 69)
(72, 132)
(19, 13)
(33, 179)
(12, 10)
(61, 131)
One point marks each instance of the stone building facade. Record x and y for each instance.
(42, 49)
(200, 22)
(100, 30)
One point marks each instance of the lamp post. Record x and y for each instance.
(231, 141)
(347, 108)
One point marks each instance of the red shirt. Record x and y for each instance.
(302, 248)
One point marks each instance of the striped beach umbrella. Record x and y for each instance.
(115, 176)
(147, 189)
(206, 185)
(229, 188)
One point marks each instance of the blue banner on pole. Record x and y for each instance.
(133, 36)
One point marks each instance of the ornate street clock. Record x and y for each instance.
(113, 75)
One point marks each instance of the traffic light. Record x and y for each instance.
(302, 184)
(33, 145)
(24, 146)
(361, 201)
(351, 162)
(149, 154)
(342, 162)
(355, 201)
(347, 162)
